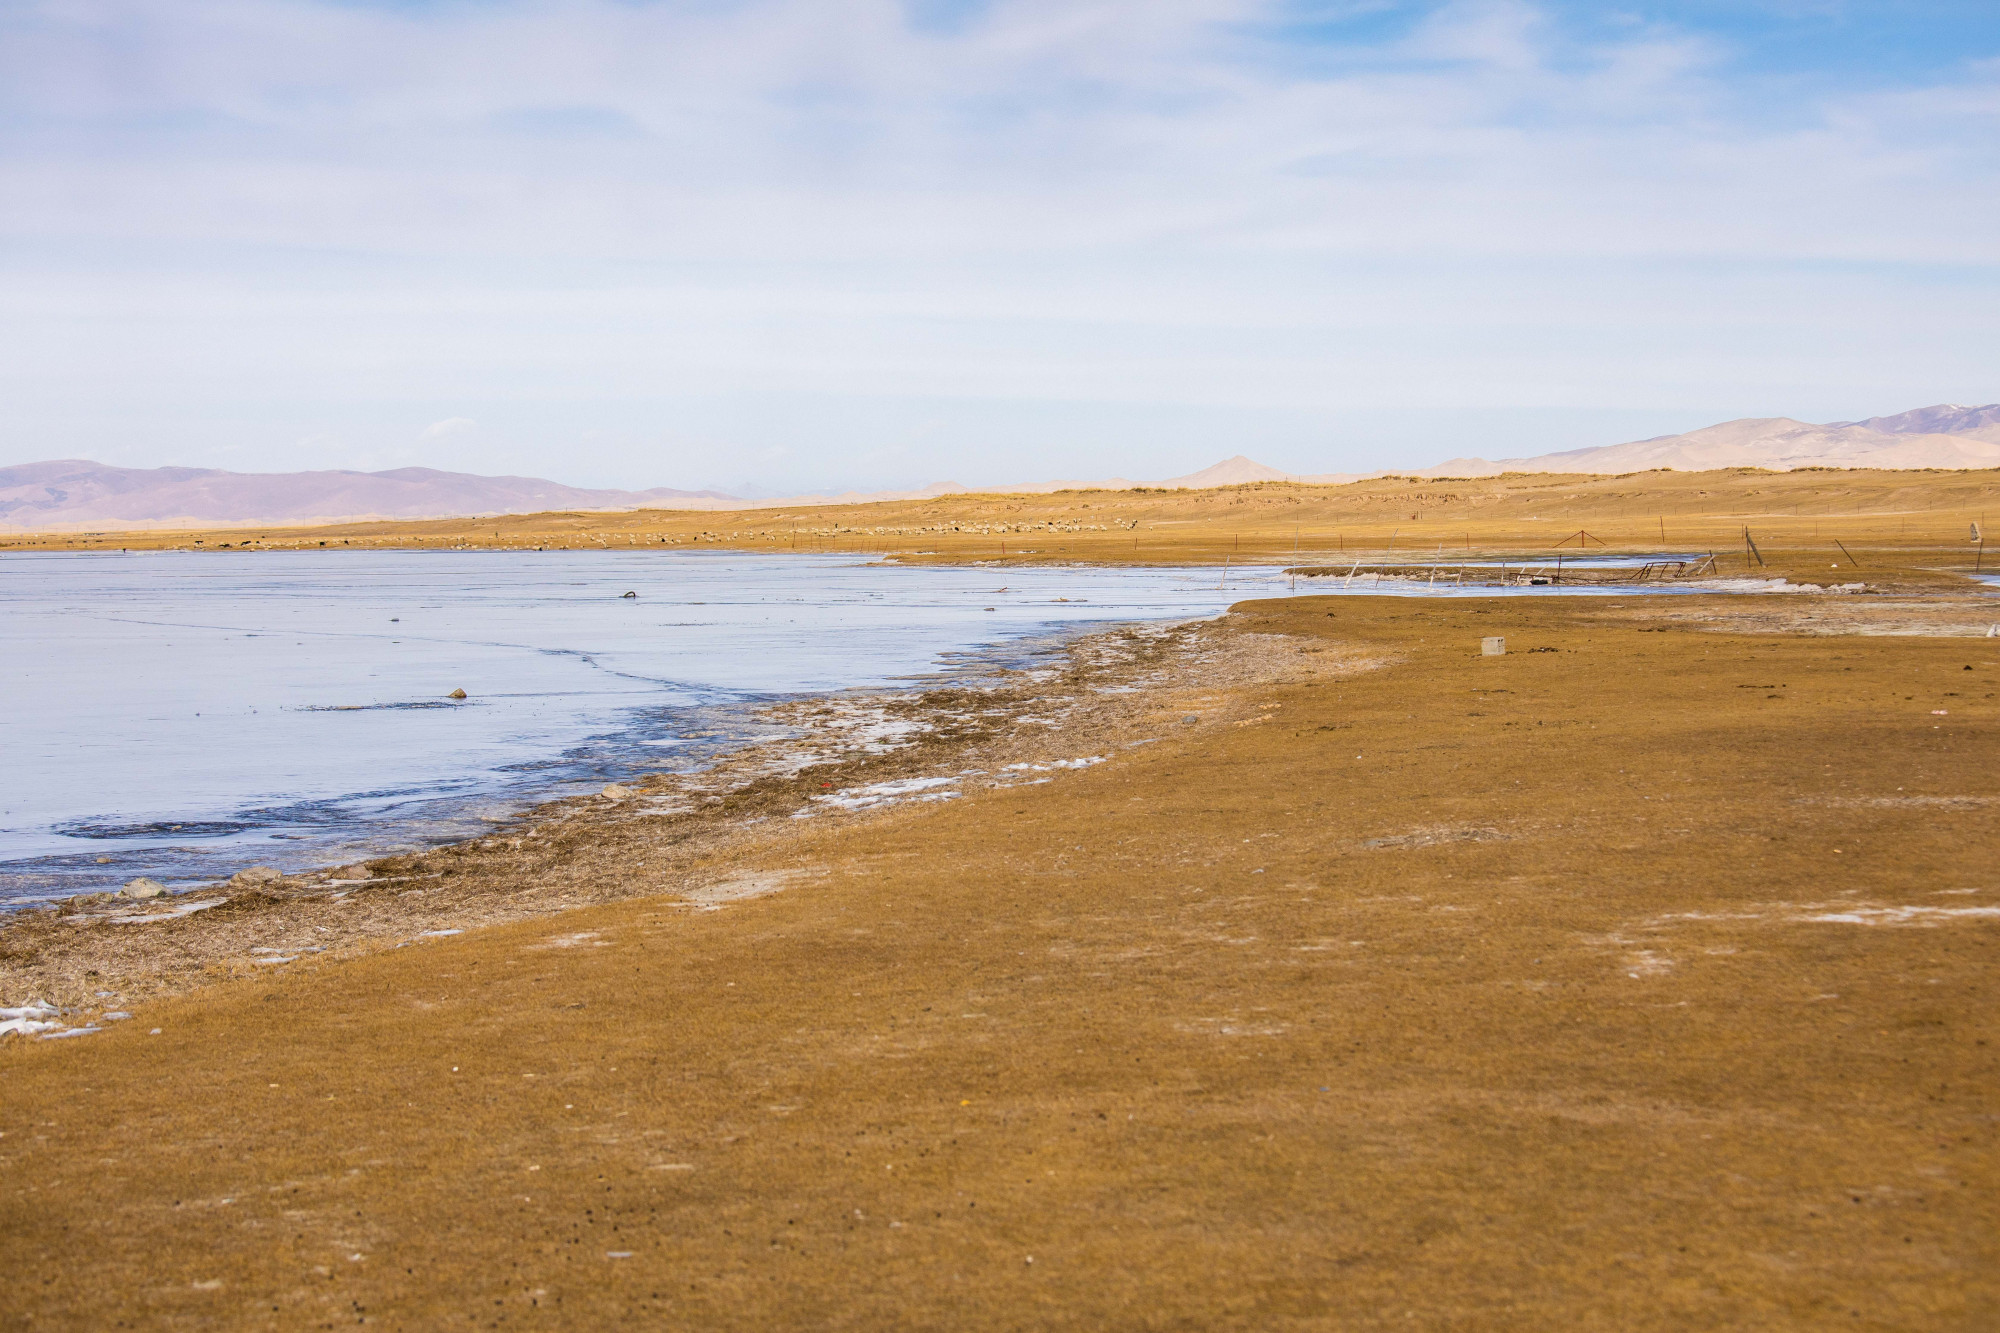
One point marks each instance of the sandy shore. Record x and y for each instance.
(1640, 978)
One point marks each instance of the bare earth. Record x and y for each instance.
(1641, 978)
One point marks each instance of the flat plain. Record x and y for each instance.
(1640, 978)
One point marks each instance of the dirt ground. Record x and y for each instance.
(1640, 978)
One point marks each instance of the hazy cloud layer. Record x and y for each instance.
(852, 242)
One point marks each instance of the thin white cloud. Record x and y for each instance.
(800, 128)
(255, 211)
(439, 430)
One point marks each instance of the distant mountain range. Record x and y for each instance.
(1945, 436)
(73, 495)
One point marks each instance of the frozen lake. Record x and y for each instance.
(182, 715)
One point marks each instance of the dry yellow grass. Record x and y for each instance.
(1634, 980)
(1915, 514)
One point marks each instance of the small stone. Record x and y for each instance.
(615, 792)
(629, 594)
(143, 888)
(255, 875)
(456, 694)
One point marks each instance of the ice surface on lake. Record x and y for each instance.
(181, 715)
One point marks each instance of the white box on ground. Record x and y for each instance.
(1493, 646)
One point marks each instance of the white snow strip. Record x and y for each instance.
(1896, 916)
(1766, 585)
(32, 1019)
(1085, 762)
(879, 793)
(25, 1027)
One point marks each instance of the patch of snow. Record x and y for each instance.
(880, 793)
(1767, 585)
(29, 1019)
(1084, 762)
(1898, 916)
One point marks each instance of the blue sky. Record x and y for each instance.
(1874, 41)
(778, 244)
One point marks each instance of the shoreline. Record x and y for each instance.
(852, 753)
(843, 754)
(317, 779)
(1886, 523)
(724, 729)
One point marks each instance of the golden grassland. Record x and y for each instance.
(1642, 978)
(1902, 511)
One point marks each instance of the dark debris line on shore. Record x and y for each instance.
(850, 756)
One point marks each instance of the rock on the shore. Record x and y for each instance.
(255, 875)
(617, 792)
(143, 888)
